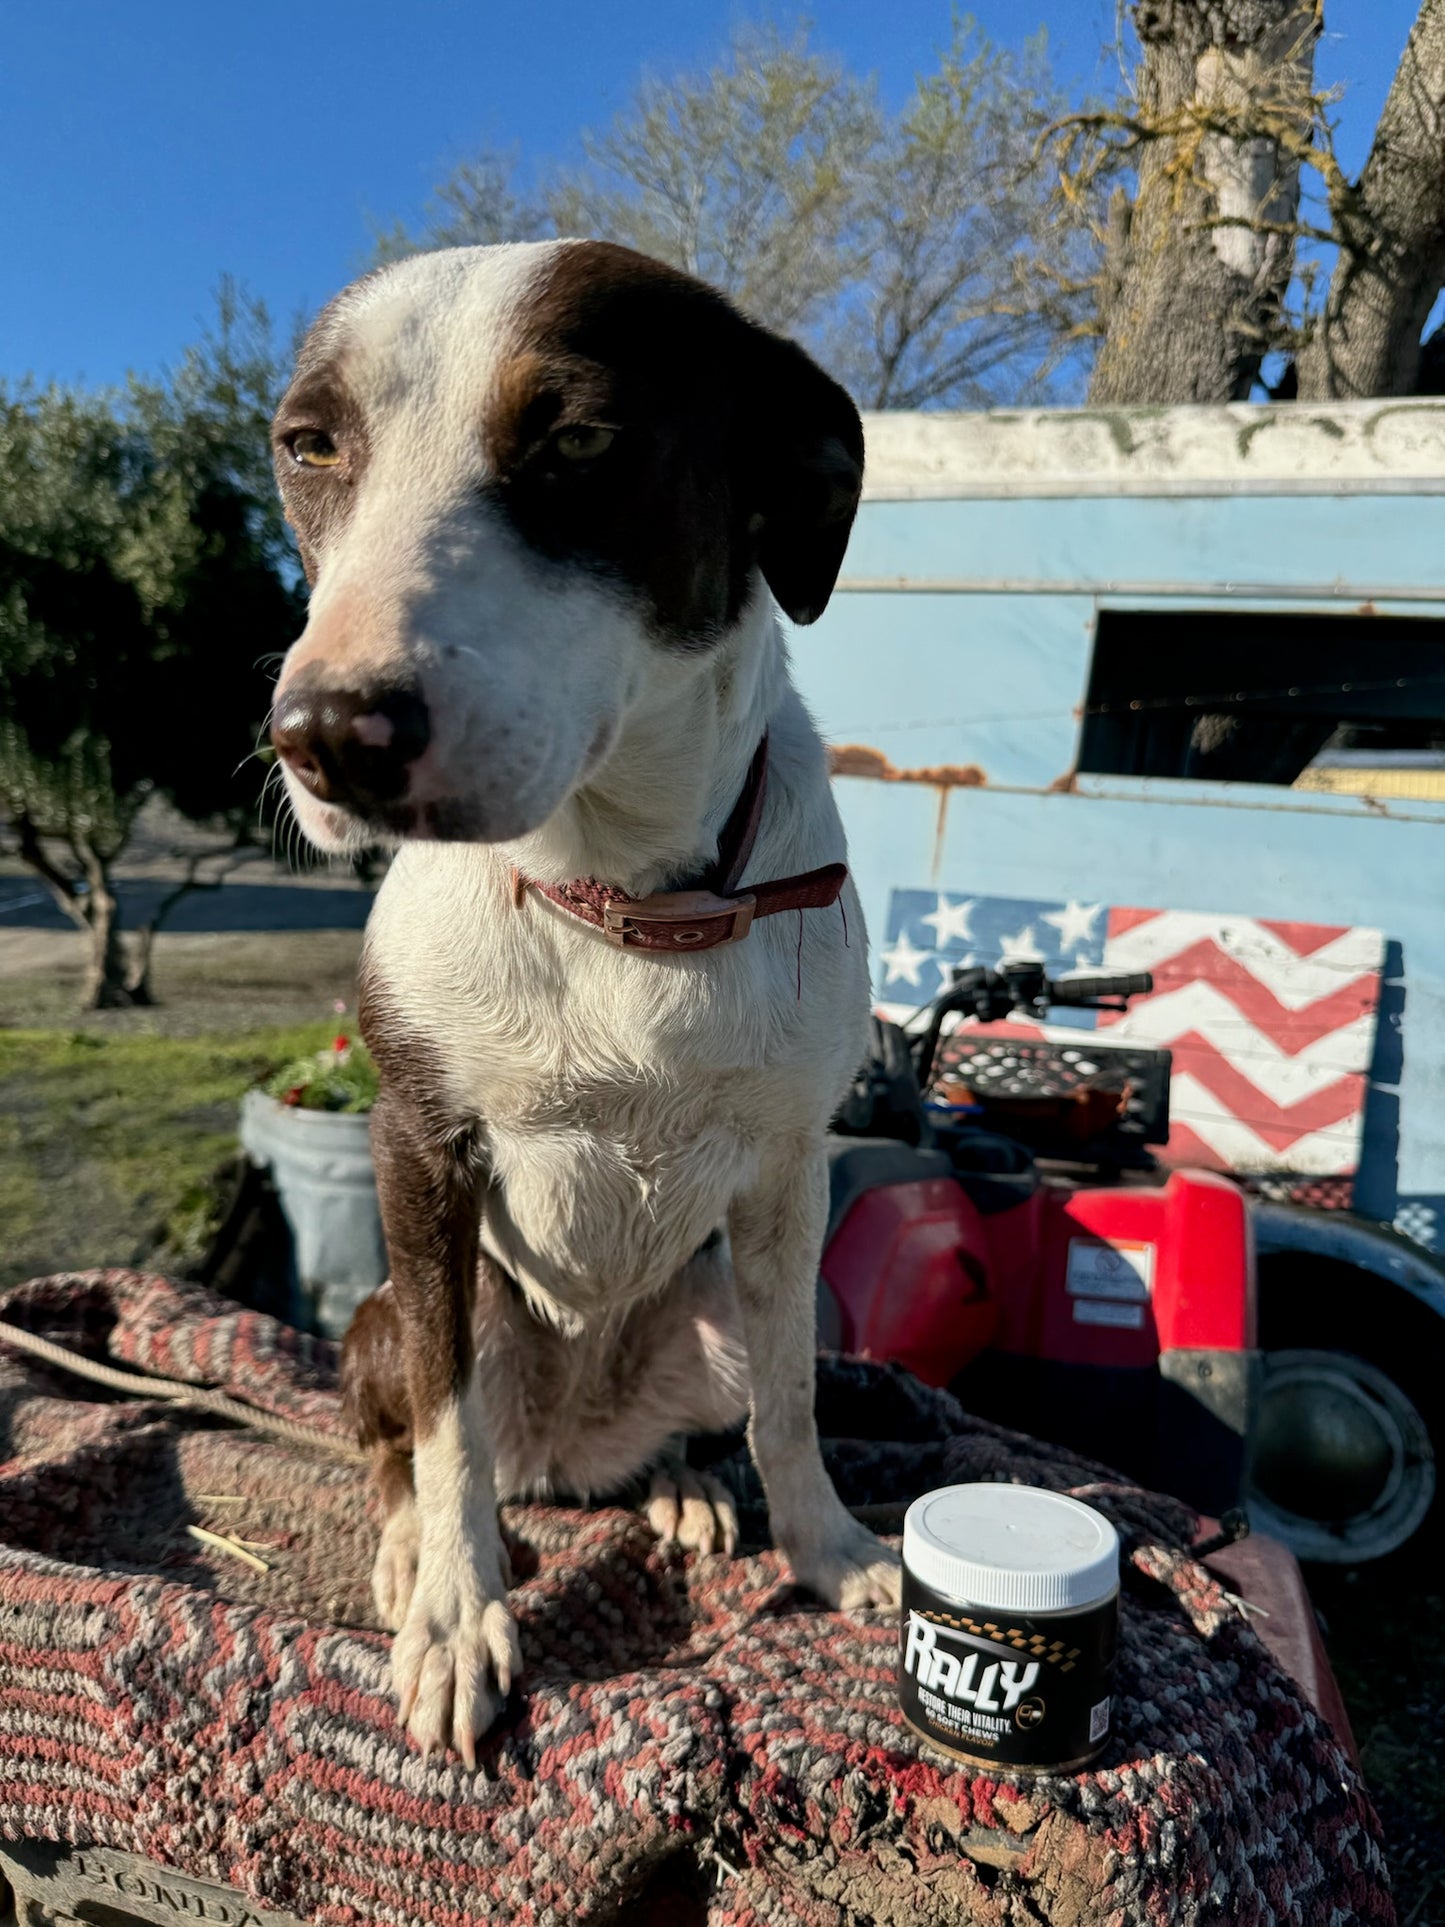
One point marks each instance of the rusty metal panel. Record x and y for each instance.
(993, 684)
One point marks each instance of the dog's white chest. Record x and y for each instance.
(624, 1102)
(590, 1212)
(609, 1175)
(618, 1100)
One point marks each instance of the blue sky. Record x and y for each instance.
(145, 150)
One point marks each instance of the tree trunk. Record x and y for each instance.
(1198, 279)
(1392, 256)
(142, 949)
(113, 980)
(110, 980)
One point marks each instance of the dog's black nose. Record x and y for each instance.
(350, 746)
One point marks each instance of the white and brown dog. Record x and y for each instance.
(542, 494)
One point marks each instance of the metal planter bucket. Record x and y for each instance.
(320, 1165)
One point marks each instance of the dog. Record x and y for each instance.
(549, 498)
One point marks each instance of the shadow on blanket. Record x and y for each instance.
(693, 1741)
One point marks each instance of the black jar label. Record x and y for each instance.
(1007, 1689)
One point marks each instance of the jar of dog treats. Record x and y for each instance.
(1010, 1626)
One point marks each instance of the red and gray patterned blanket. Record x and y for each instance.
(693, 1741)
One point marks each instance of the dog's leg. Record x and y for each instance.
(393, 1576)
(374, 1399)
(776, 1232)
(456, 1653)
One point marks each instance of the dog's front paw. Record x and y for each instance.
(393, 1576)
(691, 1509)
(452, 1665)
(849, 1571)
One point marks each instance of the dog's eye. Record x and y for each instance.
(584, 444)
(312, 449)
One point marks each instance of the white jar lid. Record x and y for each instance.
(1011, 1548)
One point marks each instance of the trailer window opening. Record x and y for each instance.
(1353, 704)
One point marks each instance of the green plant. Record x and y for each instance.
(340, 1077)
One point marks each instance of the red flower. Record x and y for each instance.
(341, 1043)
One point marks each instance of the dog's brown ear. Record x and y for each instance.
(805, 475)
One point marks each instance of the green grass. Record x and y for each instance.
(108, 1144)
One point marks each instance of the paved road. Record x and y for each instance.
(236, 906)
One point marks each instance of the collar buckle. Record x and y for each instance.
(678, 920)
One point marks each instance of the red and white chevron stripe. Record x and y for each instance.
(1272, 1026)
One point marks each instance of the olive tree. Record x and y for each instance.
(144, 579)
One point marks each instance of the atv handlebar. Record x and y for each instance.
(989, 995)
(1084, 990)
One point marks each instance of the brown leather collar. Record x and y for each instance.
(710, 912)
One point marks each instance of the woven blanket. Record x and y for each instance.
(693, 1741)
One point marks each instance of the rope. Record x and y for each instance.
(136, 1385)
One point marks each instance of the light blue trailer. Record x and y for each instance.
(1189, 660)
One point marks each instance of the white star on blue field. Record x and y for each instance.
(932, 932)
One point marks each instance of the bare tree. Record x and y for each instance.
(478, 205)
(744, 175)
(976, 246)
(1200, 258)
(923, 253)
(971, 283)
(1203, 269)
(1391, 227)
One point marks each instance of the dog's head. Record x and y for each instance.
(531, 486)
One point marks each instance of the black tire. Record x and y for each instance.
(1348, 1436)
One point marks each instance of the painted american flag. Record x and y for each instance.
(1272, 1025)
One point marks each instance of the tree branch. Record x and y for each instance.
(60, 886)
(233, 855)
(1392, 257)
